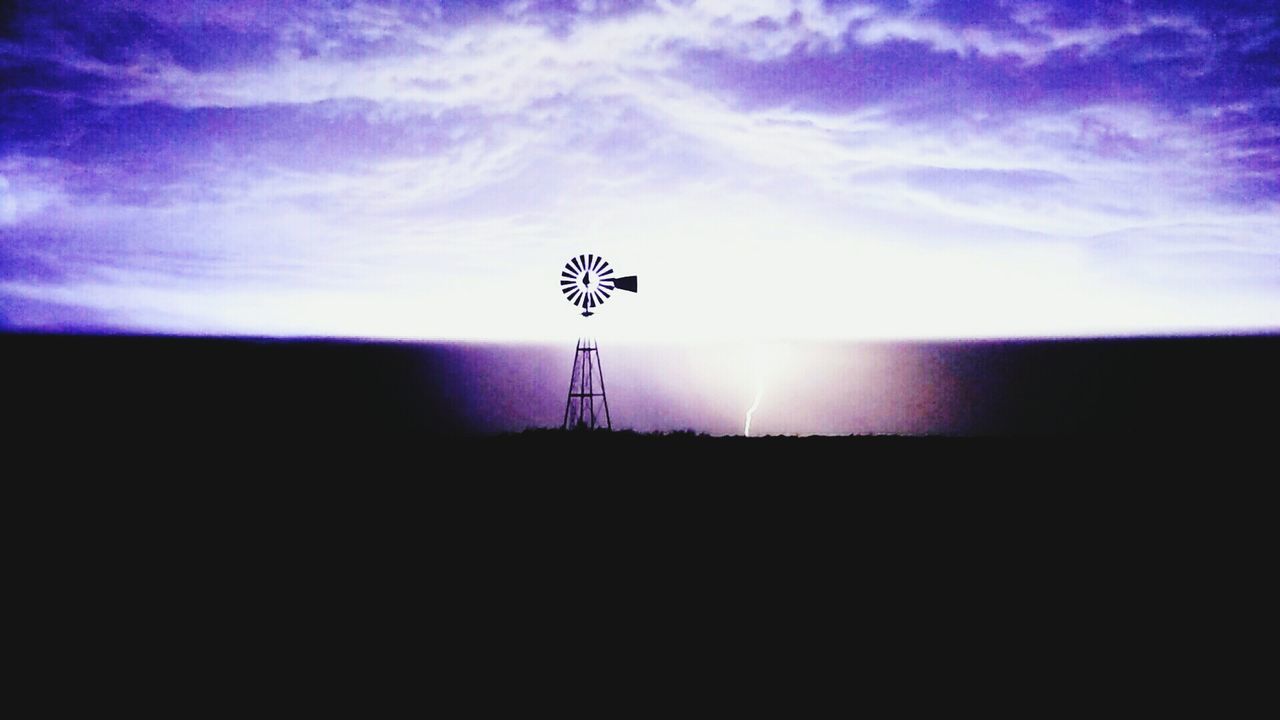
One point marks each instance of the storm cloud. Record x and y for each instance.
(773, 167)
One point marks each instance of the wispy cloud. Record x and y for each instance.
(363, 168)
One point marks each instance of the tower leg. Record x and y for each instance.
(591, 393)
(584, 383)
(603, 397)
(573, 375)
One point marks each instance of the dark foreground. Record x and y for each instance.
(210, 390)
(1063, 421)
(875, 463)
(313, 508)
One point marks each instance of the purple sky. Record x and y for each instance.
(769, 168)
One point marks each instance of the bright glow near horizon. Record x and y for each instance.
(768, 168)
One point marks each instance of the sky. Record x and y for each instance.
(768, 168)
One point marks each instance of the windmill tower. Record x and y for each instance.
(587, 281)
(586, 384)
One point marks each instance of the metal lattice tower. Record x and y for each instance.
(581, 409)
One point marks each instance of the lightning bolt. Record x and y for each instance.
(754, 405)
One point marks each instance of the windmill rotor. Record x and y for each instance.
(588, 280)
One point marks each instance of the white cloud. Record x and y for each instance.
(777, 221)
(8, 203)
(25, 191)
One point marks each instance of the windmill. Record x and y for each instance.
(587, 281)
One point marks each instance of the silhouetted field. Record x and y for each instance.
(870, 459)
(427, 395)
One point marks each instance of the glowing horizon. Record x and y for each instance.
(769, 168)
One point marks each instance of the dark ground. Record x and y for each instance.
(260, 390)
(267, 505)
(1141, 410)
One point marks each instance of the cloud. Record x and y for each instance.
(380, 168)
(8, 203)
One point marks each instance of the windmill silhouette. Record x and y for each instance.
(587, 281)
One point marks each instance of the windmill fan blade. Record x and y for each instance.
(598, 262)
(627, 283)
(569, 275)
(602, 291)
(591, 261)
